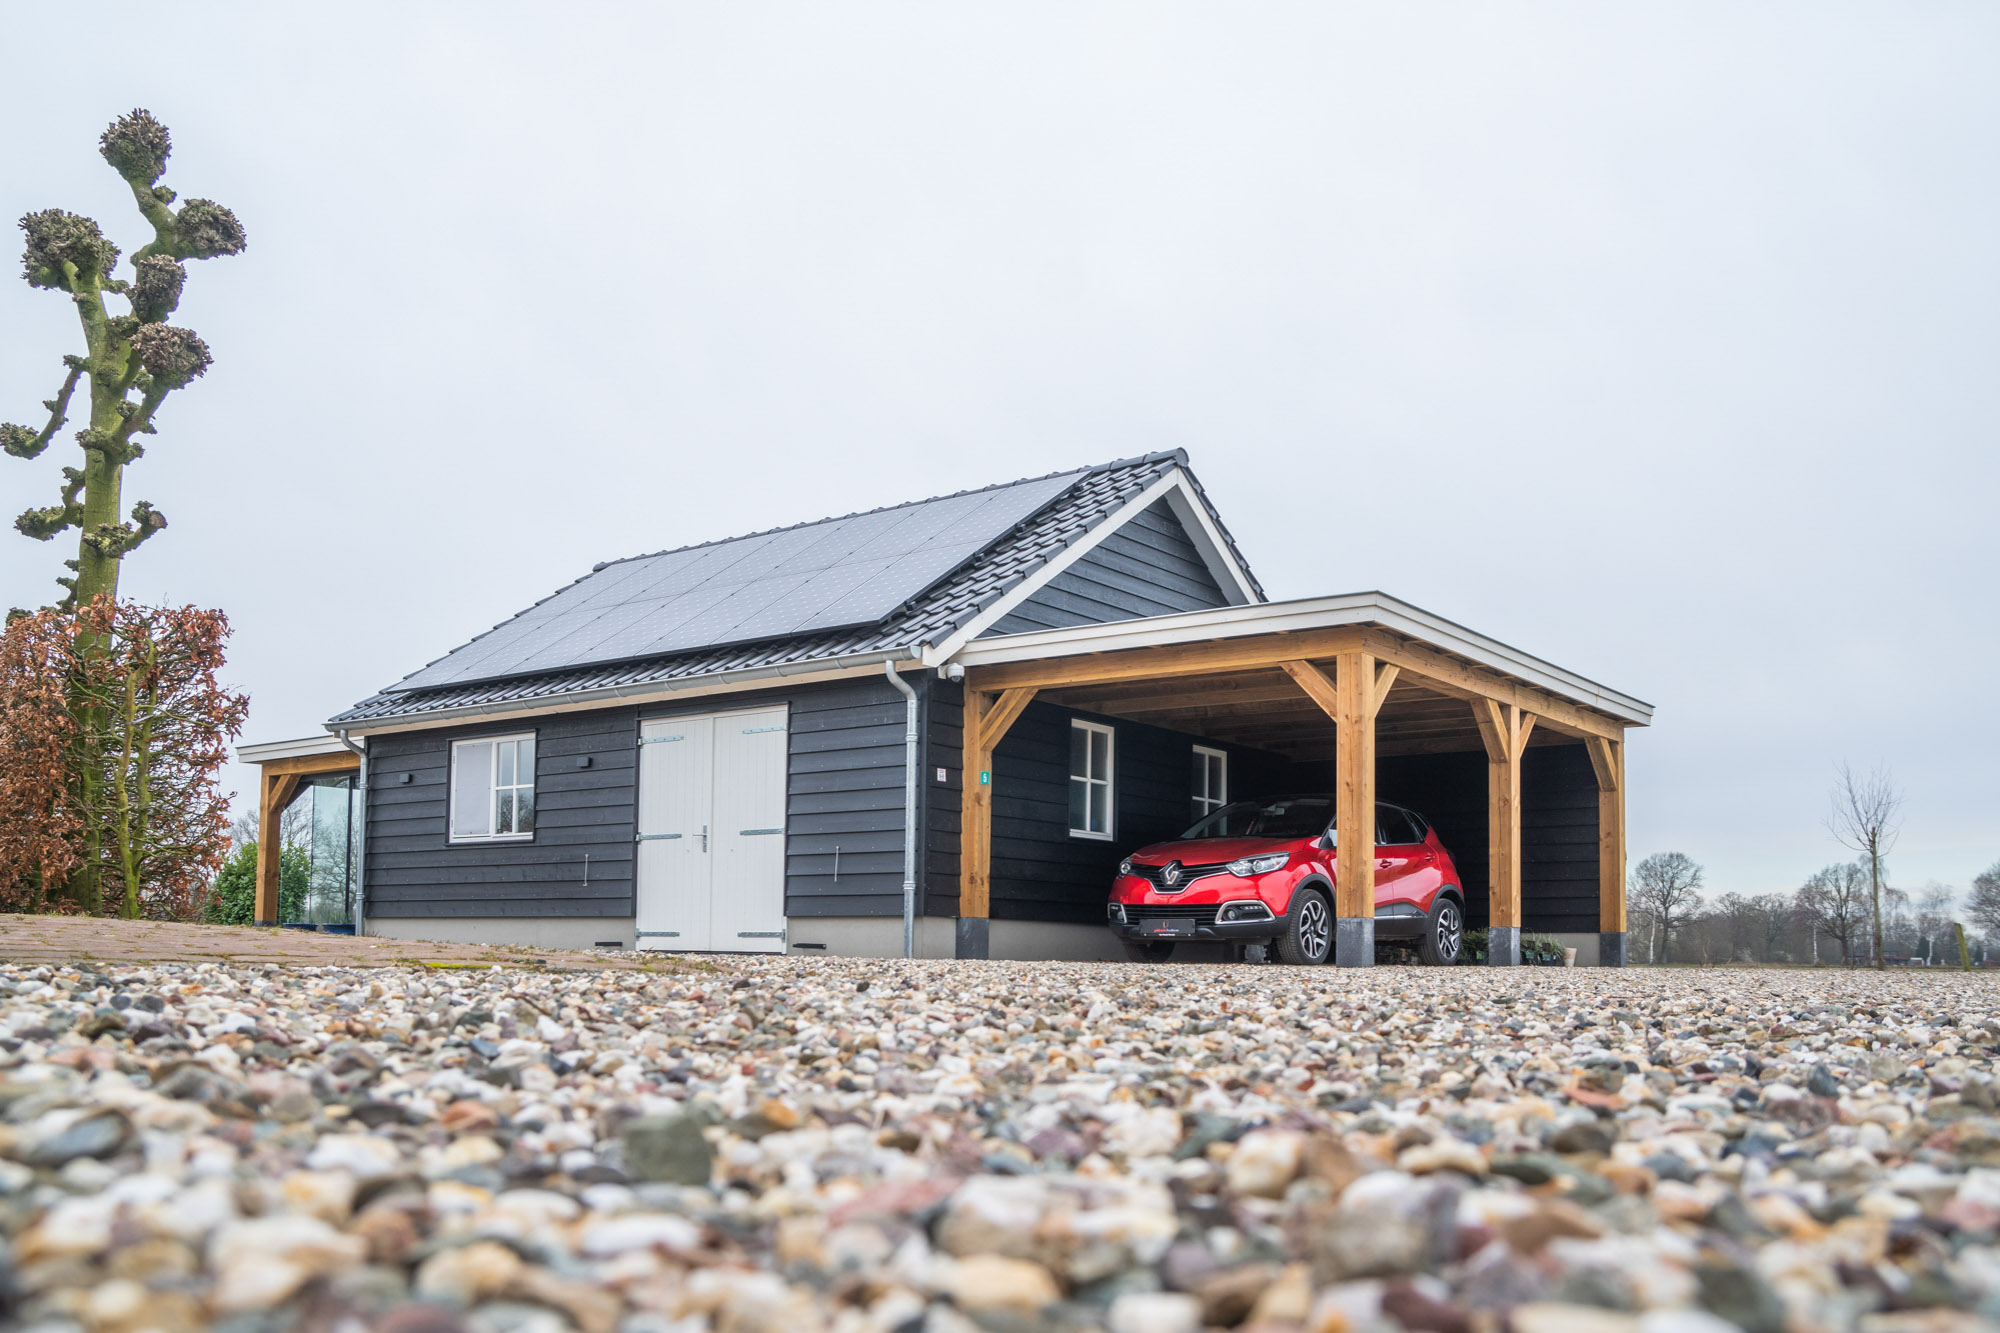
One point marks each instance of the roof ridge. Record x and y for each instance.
(1079, 472)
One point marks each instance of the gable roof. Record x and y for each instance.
(575, 645)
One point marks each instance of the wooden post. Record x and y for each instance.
(1608, 759)
(276, 791)
(987, 719)
(1504, 728)
(1352, 699)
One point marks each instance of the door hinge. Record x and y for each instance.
(649, 934)
(760, 934)
(659, 740)
(654, 837)
(757, 832)
(752, 731)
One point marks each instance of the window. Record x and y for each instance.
(1211, 781)
(1089, 780)
(1395, 826)
(493, 788)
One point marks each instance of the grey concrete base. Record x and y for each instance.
(973, 937)
(1611, 949)
(540, 932)
(868, 936)
(1354, 941)
(1503, 946)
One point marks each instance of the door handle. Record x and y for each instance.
(704, 837)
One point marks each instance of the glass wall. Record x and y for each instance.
(324, 823)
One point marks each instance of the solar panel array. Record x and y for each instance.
(822, 576)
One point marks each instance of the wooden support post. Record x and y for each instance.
(987, 719)
(1352, 699)
(276, 792)
(1504, 728)
(1608, 759)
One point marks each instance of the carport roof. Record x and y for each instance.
(1304, 615)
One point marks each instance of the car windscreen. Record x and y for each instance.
(1279, 817)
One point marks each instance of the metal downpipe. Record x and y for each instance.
(356, 851)
(909, 809)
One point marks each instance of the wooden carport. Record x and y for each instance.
(282, 767)
(1364, 676)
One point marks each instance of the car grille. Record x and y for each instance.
(1201, 915)
(1189, 874)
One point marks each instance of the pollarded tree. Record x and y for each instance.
(1835, 901)
(130, 362)
(1983, 904)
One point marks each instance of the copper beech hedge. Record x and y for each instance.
(114, 728)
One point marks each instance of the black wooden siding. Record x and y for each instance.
(414, 871)
(1558, 839)
(1040, 872)
(845, 791)
(1148, 567)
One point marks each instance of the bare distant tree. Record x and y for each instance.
(1774, 916)
(1668, 885)
(1835, 902)
(1983, 904)
(1864, 818)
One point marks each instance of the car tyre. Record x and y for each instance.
(1149, 951)
(1307, 940)
(1444, 933)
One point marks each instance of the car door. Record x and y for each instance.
(1399, 852)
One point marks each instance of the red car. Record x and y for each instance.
(1259, 872)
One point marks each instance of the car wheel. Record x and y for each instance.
(1307, 940)
(1149, 951)
(1444, 933)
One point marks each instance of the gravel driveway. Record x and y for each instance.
(783, 1144)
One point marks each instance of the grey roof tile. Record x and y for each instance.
(928, 617)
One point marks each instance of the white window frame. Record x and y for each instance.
(1107, 781)
(492, 762)
(1206, 805)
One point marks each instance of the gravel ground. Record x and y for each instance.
(782, 1144)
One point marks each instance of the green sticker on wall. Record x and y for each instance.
(985, 778)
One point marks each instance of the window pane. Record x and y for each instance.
(503, 810)
(1079, 753)
(1100, 807)
(524, 810)
(524, 767)
(1078, 803)
(472, 789)
(1200, 775)
(504, 766)
(1100, 754)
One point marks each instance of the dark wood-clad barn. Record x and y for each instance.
(938, 727)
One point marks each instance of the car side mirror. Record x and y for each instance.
(1328, 841)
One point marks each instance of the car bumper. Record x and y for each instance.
(1266, 929)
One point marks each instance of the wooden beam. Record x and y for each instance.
(1318, 688)
(1385, 678)
(1182, 659)
(1609, 757)
(312, 763)
(1504, 729)
(1354, 785)
(987, 721)
(277, 791)
(1464, 681)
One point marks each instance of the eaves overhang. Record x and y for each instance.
(1297, 616)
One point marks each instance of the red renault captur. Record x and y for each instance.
(1261, 872)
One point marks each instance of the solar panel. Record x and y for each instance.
(834, 574)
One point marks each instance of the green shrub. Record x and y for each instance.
(232, 899)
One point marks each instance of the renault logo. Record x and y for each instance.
(1171, 875)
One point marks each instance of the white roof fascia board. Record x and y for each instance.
(735, 682)
(1310, 613)
(1051, 569)
(1179, 491)
(304, 747)
(1209, 541)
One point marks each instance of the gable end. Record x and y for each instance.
(1148, 567)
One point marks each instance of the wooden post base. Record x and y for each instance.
(1503, 946)
(1354, 941)
(972, 937)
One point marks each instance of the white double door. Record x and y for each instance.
(711, 871)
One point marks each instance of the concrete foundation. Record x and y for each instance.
(1610, 949)
(1354, 941)
(541, 932)
(974, 937)
(868, 936)
(1503, 946)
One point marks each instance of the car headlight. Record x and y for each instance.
(1250, 910)
(1259, 865)
(1125, 866)
(1115, 912)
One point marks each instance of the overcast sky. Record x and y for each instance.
(1656, 340)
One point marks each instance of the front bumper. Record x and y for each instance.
(1136, 925)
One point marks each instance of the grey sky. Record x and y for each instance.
(1656, 340)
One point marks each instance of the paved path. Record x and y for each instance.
(75, 939)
